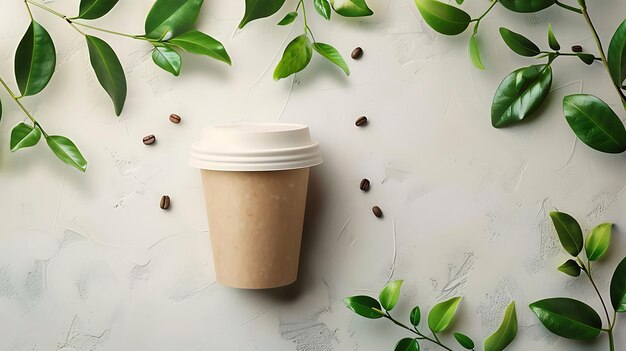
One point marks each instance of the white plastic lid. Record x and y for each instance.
(255, 147)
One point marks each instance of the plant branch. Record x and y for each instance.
(307, 29)
(477, 20)
(568, 7)
(606, 311)
(417, 332)
(22, 107)
(30, 13)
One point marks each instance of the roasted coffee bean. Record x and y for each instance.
(356, 53)
(361, 121)
(174, 118)
(365, 184)
(165, 202)
(149, 139)
(377, 211)
(577, 48)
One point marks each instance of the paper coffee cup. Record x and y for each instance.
(255, 179)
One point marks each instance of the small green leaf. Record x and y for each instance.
(416, 316)
(443, 18)
(23, 136)
(108, 70)
(595, 123)
(554, 44)
(442, 314)
(597, 243)
(617, 55)
(332, 55)
(464, 340)
(256, 9)
(288, 19)
(519, 43)
(568, 318)
(296, 57)
(200, 43)
(569, 232)
(570, 267)
(323, 8)
(169, 18)
(618, 287)
(460, 2)
(407, 344)
(474, 53)
(364, 306)
(527, 5)
(167, 58)
(506, 333)
(351, 8)
(35, 60)
(586, 58)
(92, 9)
(389, 294)
(67, 152)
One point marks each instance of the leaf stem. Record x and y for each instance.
(477, 20)
(307, 29)
(417, 332)
(30, 13)
(22, 107)
(568, 7)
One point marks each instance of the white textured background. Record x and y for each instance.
(90, 262)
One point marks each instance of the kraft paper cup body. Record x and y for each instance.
(255, 179)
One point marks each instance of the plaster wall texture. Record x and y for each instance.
(90, 262)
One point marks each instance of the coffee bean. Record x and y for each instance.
(174, 118)
(577, 48)
(356, 53)
(365, 184)
(361, 121)
(165, 202)
(377, 211)
(149, 139)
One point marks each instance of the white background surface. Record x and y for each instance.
(90, 262)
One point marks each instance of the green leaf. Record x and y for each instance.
(389, 294)
(364, 306)
(289, 18)
(67, 152)
(443, 18)
(586, 58)
(256, 9)
(442, 314)
(167, 58)
(617, 55)
(351, 8)
(464, 340)
(618, 287)
(570, 267)
(23, 136)
(332, 55)
(169, 18)
(92, 9)
(35, 60)
(552, 42)
(407, 344)
(474, 53)
(519, 43)
(460, 2)
(506, 333)
(597, 242)
(568, 318)
(200, 43)
(296, 57)
(520, 94)
(595, 124)
(416, 316)
(527, 5)
(108, 70)
(569, 232)
(323, 8)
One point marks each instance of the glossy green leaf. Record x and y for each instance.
(200, 43)
(351, 8)
(474, 53)
(288, 19)
(108, 70)
(586, 58)
(460, 2)
(167, 58)
(569, 232)
(618, 287)
(506, 333)
(597, 243)
(332, 55)
(520, 94)
(92, 9)
(407, 344)
(617, 55)
(445, 19)
(568, 318)
(527, 5)
(67, 151)
(323, 8)
(364, 306)
(415, 316)
(389, 295)
(35, 60)
(442, 314)
(169, 18)
(519, 43)
(570, 267)
(296, 57)
(23, 136)
(464, 340)
(256, 9)
(595, 123)
(552, 42)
